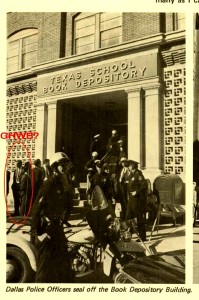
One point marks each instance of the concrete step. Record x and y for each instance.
(76, 216)
(81, 203)
(80, 192)
(83, 185)
(81, 210)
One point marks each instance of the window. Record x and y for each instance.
(179, 21)
(22, 50)
(94, 31)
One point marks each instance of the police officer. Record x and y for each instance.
(52, 208)
(113, 142)
(97, 146)
(122, 184)
(90, 168)
(136, 206)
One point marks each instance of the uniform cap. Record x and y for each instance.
(114, 131)
(57, 158)
(123, 159)
(120, 142)
(94, 154)
(96, 136)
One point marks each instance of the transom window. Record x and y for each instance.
(93, 31)
(22, 50)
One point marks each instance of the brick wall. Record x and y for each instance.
(49, 26)
(69, 34)
(55, 38)
(138, 25)
(169, 22)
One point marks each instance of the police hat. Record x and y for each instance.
(120, 142)
(123, 159)
(94, 154)
(96, 136)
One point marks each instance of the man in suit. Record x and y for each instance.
(25, 189)
(16, 187)
(38, 177)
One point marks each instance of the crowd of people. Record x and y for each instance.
(119, 178)
(51, 187)
(51, 208)
(27, 181)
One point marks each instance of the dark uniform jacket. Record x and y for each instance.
(91, 165)
(138, 184)
(96, 146)
(53, 200)
(54, 205)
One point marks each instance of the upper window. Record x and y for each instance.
(93, 31)
(179, 21)
(22, 50)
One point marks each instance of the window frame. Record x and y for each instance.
(97, 31)
(176, 21)
(20, 36)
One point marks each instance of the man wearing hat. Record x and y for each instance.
(52, 208)
(122, 183)
(90, 168)
(113, 142)
(137, 189)
(96, 146)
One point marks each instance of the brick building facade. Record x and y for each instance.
(72, 75)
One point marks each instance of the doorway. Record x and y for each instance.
(79, 119)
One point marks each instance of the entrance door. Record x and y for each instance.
(81, 118)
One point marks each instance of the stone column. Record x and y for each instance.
(153, 135)
(134, 124)
(51, 128)
(40, 128)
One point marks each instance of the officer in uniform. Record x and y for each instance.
(50, 211)
(97, 146)
(136, 206)
(122, 184)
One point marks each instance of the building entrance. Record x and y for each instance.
(79, 119)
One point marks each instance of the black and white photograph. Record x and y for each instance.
(96, 147)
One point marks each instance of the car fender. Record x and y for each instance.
(30, 250)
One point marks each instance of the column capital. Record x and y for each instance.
(52, 105)
(132, 91)
(40, 106)
(41, 101)
(153, 89)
